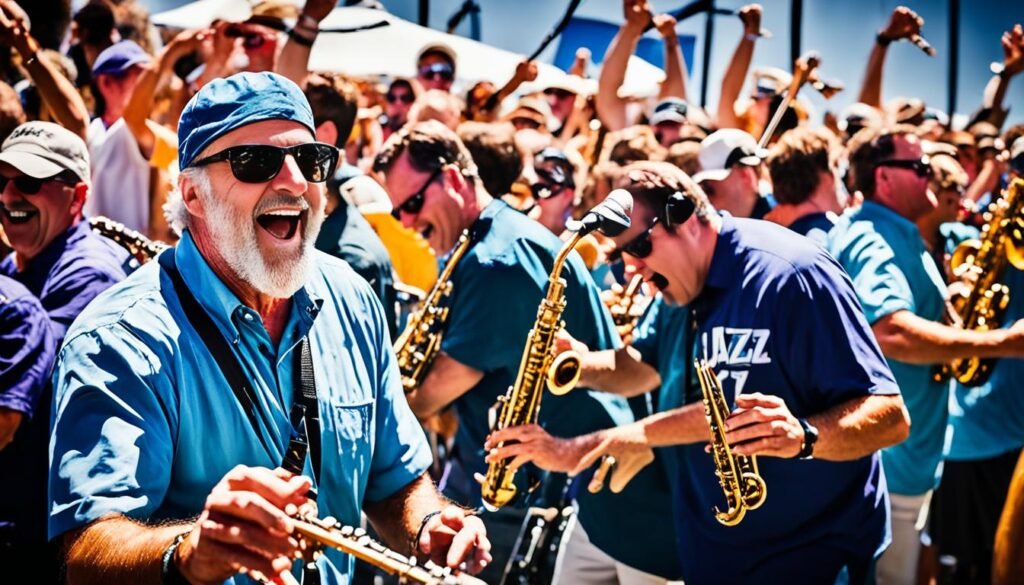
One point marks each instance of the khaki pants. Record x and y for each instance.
(898, 565)
(582, 563)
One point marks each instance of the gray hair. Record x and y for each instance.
(175, 212)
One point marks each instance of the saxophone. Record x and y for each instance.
(627, 308)
(139, 246)
(737, 474)
(419, 343)
(521, 403)
(979, 264)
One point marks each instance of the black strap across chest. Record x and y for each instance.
(305, 412)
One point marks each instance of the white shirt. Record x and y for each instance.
(120, 176)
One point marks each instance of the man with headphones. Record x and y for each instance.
(779, 322)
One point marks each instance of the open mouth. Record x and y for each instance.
(427, 231)
(659, 281)
(19, 216)
(282, 224)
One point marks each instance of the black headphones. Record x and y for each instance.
(678, 209)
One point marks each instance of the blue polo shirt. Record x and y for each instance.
(777, 315)
(892, 270)
(814, 226)
(139, 401)
(68, 274)
(496, 290)
(26, 348)
(988, 420)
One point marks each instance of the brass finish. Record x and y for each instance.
(139, 246)
(743, 485)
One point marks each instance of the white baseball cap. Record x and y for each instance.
(725, 148)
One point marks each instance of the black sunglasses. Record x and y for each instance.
(259, 163)
(546, 191)
(414, 204)
(638, 247)
(437, 71)
(559, 93)
(27, 185)
(250, 40)
(922, 167)
(405, 98)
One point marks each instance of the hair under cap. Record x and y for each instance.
(227, 104)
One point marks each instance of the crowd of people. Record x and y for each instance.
(209, 252)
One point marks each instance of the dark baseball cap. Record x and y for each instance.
(119, 58)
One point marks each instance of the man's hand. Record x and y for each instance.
(763, 425)
(628, 446)
(319, 9)
(454, 537)
(14, 32)
(750, 15)
(525, 71)
(1013, 50)
(10, 420)
(245, 526)
(637, 14)
(565, 342)
(903, 24)
(532, 444)
(666, 25)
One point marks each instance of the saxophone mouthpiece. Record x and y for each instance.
(611, 216)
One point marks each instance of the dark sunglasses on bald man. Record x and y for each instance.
(259, 163)
(922, 166)
(27, 185)
(437, 71)
(414, 204)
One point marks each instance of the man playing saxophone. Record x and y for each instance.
(779, 323)
(497, 287)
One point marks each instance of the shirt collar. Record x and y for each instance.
(879, 212)
(222, 304)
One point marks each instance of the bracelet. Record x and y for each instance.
(419, 533)
(751, 36)
(169, 572)
(305, 42)
(883, 40)
(307, 21)
(33, 59)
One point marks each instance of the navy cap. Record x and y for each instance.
(224, 105)
(119, 57)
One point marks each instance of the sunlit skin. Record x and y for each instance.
(667, 133)
(56, 208)
(244, 199)
(737, 193)
(902, 190)
(435, 82)
(451, 204)
(561, 104)
(116, 91)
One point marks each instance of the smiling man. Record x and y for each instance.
(810, 392)
(187, 396)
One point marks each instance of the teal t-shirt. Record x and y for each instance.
(496, 290)
(892, 271)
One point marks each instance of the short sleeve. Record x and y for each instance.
(829, 349)
(880, 285)
(401, 452)
(113, 430)
(26, 354)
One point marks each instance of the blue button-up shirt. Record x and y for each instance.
(69, 273)
(146, 424)
(892, 271)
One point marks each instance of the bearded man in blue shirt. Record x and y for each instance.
(802, 375)
(159, 469)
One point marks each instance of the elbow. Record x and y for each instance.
(896, 423)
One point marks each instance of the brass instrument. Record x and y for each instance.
(356, 542)
(419, 343)
(625, 308)
(139, 246)
(979, 264)
(521, 403)
(743, 485)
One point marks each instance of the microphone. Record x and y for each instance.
(923, 45)
(611, 216)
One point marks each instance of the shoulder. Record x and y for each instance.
(773, 249)
(335, 279)
(92, 256)
(857, 236)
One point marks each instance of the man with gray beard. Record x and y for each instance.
(187, 396)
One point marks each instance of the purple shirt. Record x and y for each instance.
(26, 348)
(70, 272)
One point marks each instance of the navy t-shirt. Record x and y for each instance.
(779, 316)
(496, 289)
(814, 226)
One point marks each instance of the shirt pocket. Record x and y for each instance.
(353, 436)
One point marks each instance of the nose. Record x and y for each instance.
(290, 179)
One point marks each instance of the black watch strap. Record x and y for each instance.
(810, 438)
(169, 572)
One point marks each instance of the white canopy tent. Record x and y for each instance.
(391, 49)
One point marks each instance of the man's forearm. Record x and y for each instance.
(118, 550)
(681, 426)
(732, 82)
(675, 72)
(908, 338)
(859, 427)
(56, 91)
(871, 91)
(610, 107)
(398, 518)
(617, 371)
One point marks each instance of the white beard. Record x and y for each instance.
(279, 275)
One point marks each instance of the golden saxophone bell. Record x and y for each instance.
(563, 373)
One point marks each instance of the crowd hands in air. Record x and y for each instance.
(222, 141)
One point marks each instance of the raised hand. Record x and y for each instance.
(1013, 50)
(750, 15)
(526, 71)
(903, 24)
(666, 25)
(637, 13)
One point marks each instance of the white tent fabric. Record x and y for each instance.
(391, 50)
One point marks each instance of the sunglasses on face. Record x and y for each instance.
(414, 204)
(525, 124)
(405, 98)
(638, 247)
(921, 167)
(436, 71)
(560, 94)
(259, 163)
(543, 191)
(27, 185)
(250, 40)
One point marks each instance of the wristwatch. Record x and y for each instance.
(810, 438)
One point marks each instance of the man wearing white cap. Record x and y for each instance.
(730, 173)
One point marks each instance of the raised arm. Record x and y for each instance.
(992, 109)
(739, 65)
(903, 23)
(526, 71)
(57, 92)
(611, 108)
(675, 69)
(294, 60)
